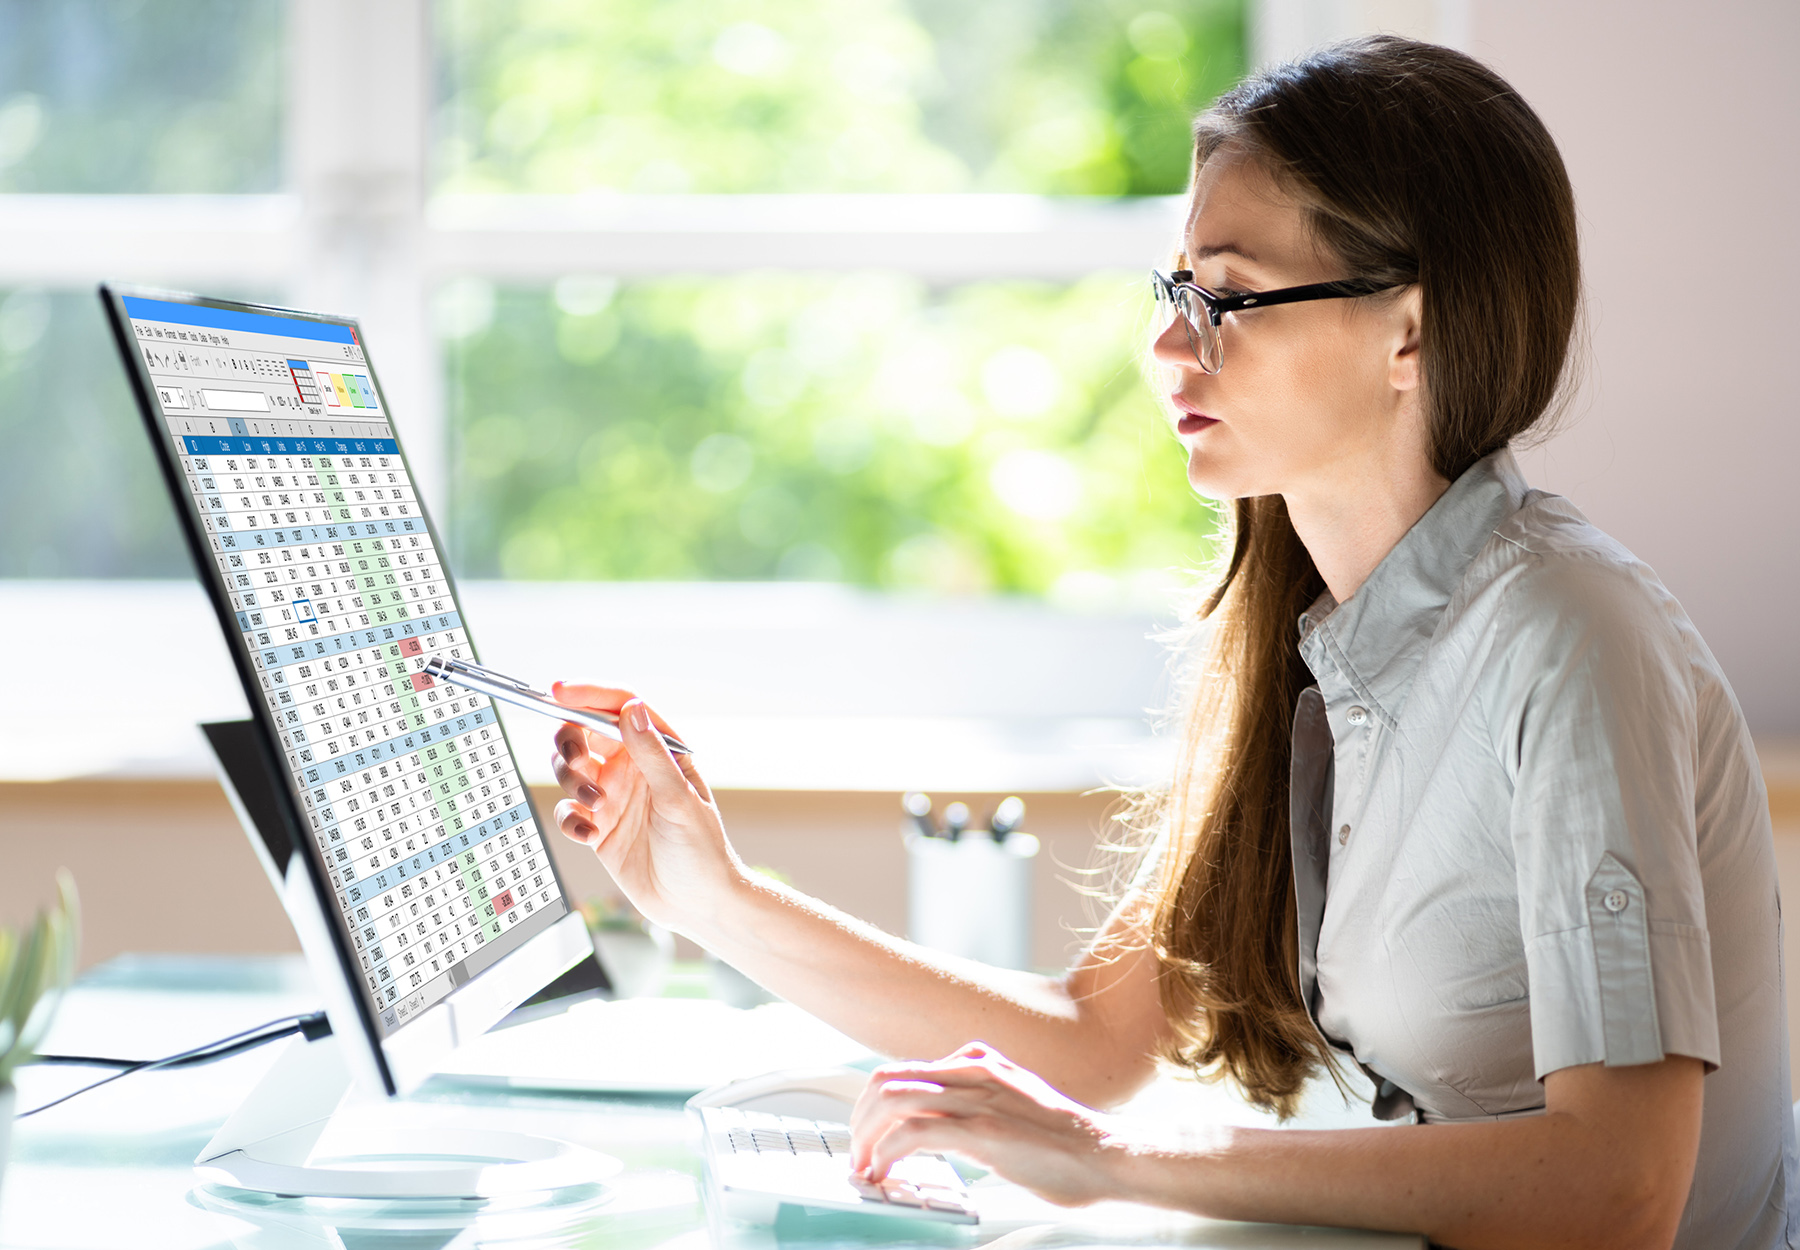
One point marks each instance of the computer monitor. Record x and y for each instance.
(420, 887)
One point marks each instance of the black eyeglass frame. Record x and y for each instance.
(1167, 284)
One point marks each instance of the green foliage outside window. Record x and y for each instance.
(1064, 97)
(996, 436)
(106, 96)
(80, 494)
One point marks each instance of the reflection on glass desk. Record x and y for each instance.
(114, 1168)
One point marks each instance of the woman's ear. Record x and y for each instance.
(1405, 363)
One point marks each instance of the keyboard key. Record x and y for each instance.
(768, 1140)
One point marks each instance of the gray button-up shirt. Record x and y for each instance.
(1530, 831)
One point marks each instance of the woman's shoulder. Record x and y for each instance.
(1554, 606)
(1548, 570)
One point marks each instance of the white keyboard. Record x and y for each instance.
(759, 1161)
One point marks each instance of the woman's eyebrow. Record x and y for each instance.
(1207, 253)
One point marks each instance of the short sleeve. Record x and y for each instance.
(1601, 728)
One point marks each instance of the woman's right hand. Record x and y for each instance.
(650, 819)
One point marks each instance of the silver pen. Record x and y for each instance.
(512, 690)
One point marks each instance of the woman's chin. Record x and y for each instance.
(1211, 480)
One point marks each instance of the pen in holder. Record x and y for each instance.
(969, 890)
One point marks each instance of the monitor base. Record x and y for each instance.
(275, 1142)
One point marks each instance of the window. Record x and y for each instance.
(777, 292)
(930, 383)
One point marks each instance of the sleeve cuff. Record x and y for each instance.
(1623, 989)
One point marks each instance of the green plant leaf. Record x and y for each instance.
(35, 973)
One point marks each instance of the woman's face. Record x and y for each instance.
(1311, 396)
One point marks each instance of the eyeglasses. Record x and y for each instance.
(1201, 310)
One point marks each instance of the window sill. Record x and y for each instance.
(779, 686)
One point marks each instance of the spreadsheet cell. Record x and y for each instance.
(407, 786)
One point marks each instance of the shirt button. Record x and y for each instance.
(1615, 900)
(1343, 834)
(1357, 715)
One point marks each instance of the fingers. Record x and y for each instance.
(579, 778)
(576, 822)
(897, 1094)
(591, 698)
(601, 699)
(946, 1134)
(974, 1082)
(666, 779)
(571, 741)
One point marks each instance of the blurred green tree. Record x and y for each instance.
(126, 96)
(994, 436)
(1069, 97)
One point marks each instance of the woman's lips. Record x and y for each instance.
(1189, 420)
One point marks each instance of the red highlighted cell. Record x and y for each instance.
(503, 901)
(410, 646)
(420, 681)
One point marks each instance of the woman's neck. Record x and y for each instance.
(1350, 525)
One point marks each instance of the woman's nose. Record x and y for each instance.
(1173, 346)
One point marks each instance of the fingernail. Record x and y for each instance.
(641, 718)
(584, 831)
(588, 795)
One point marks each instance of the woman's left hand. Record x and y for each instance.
(981, 1106)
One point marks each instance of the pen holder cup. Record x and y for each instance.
(971, 896)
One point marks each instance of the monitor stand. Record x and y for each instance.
(277, 1141)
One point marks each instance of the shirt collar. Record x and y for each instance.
(1376, 640)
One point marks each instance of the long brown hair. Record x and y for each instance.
(1418, 165)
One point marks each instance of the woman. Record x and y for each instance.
(1465, 798)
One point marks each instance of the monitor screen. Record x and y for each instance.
(299, 501)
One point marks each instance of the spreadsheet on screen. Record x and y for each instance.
(316, 533)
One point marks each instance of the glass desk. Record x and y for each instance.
(113, 1168)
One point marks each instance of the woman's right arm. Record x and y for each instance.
(652, 821)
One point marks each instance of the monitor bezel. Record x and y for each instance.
(399, 1059)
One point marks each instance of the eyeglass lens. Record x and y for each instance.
(1202, 335)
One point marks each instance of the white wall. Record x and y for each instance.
(1680, 124)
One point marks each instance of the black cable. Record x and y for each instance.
(312, 1026)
